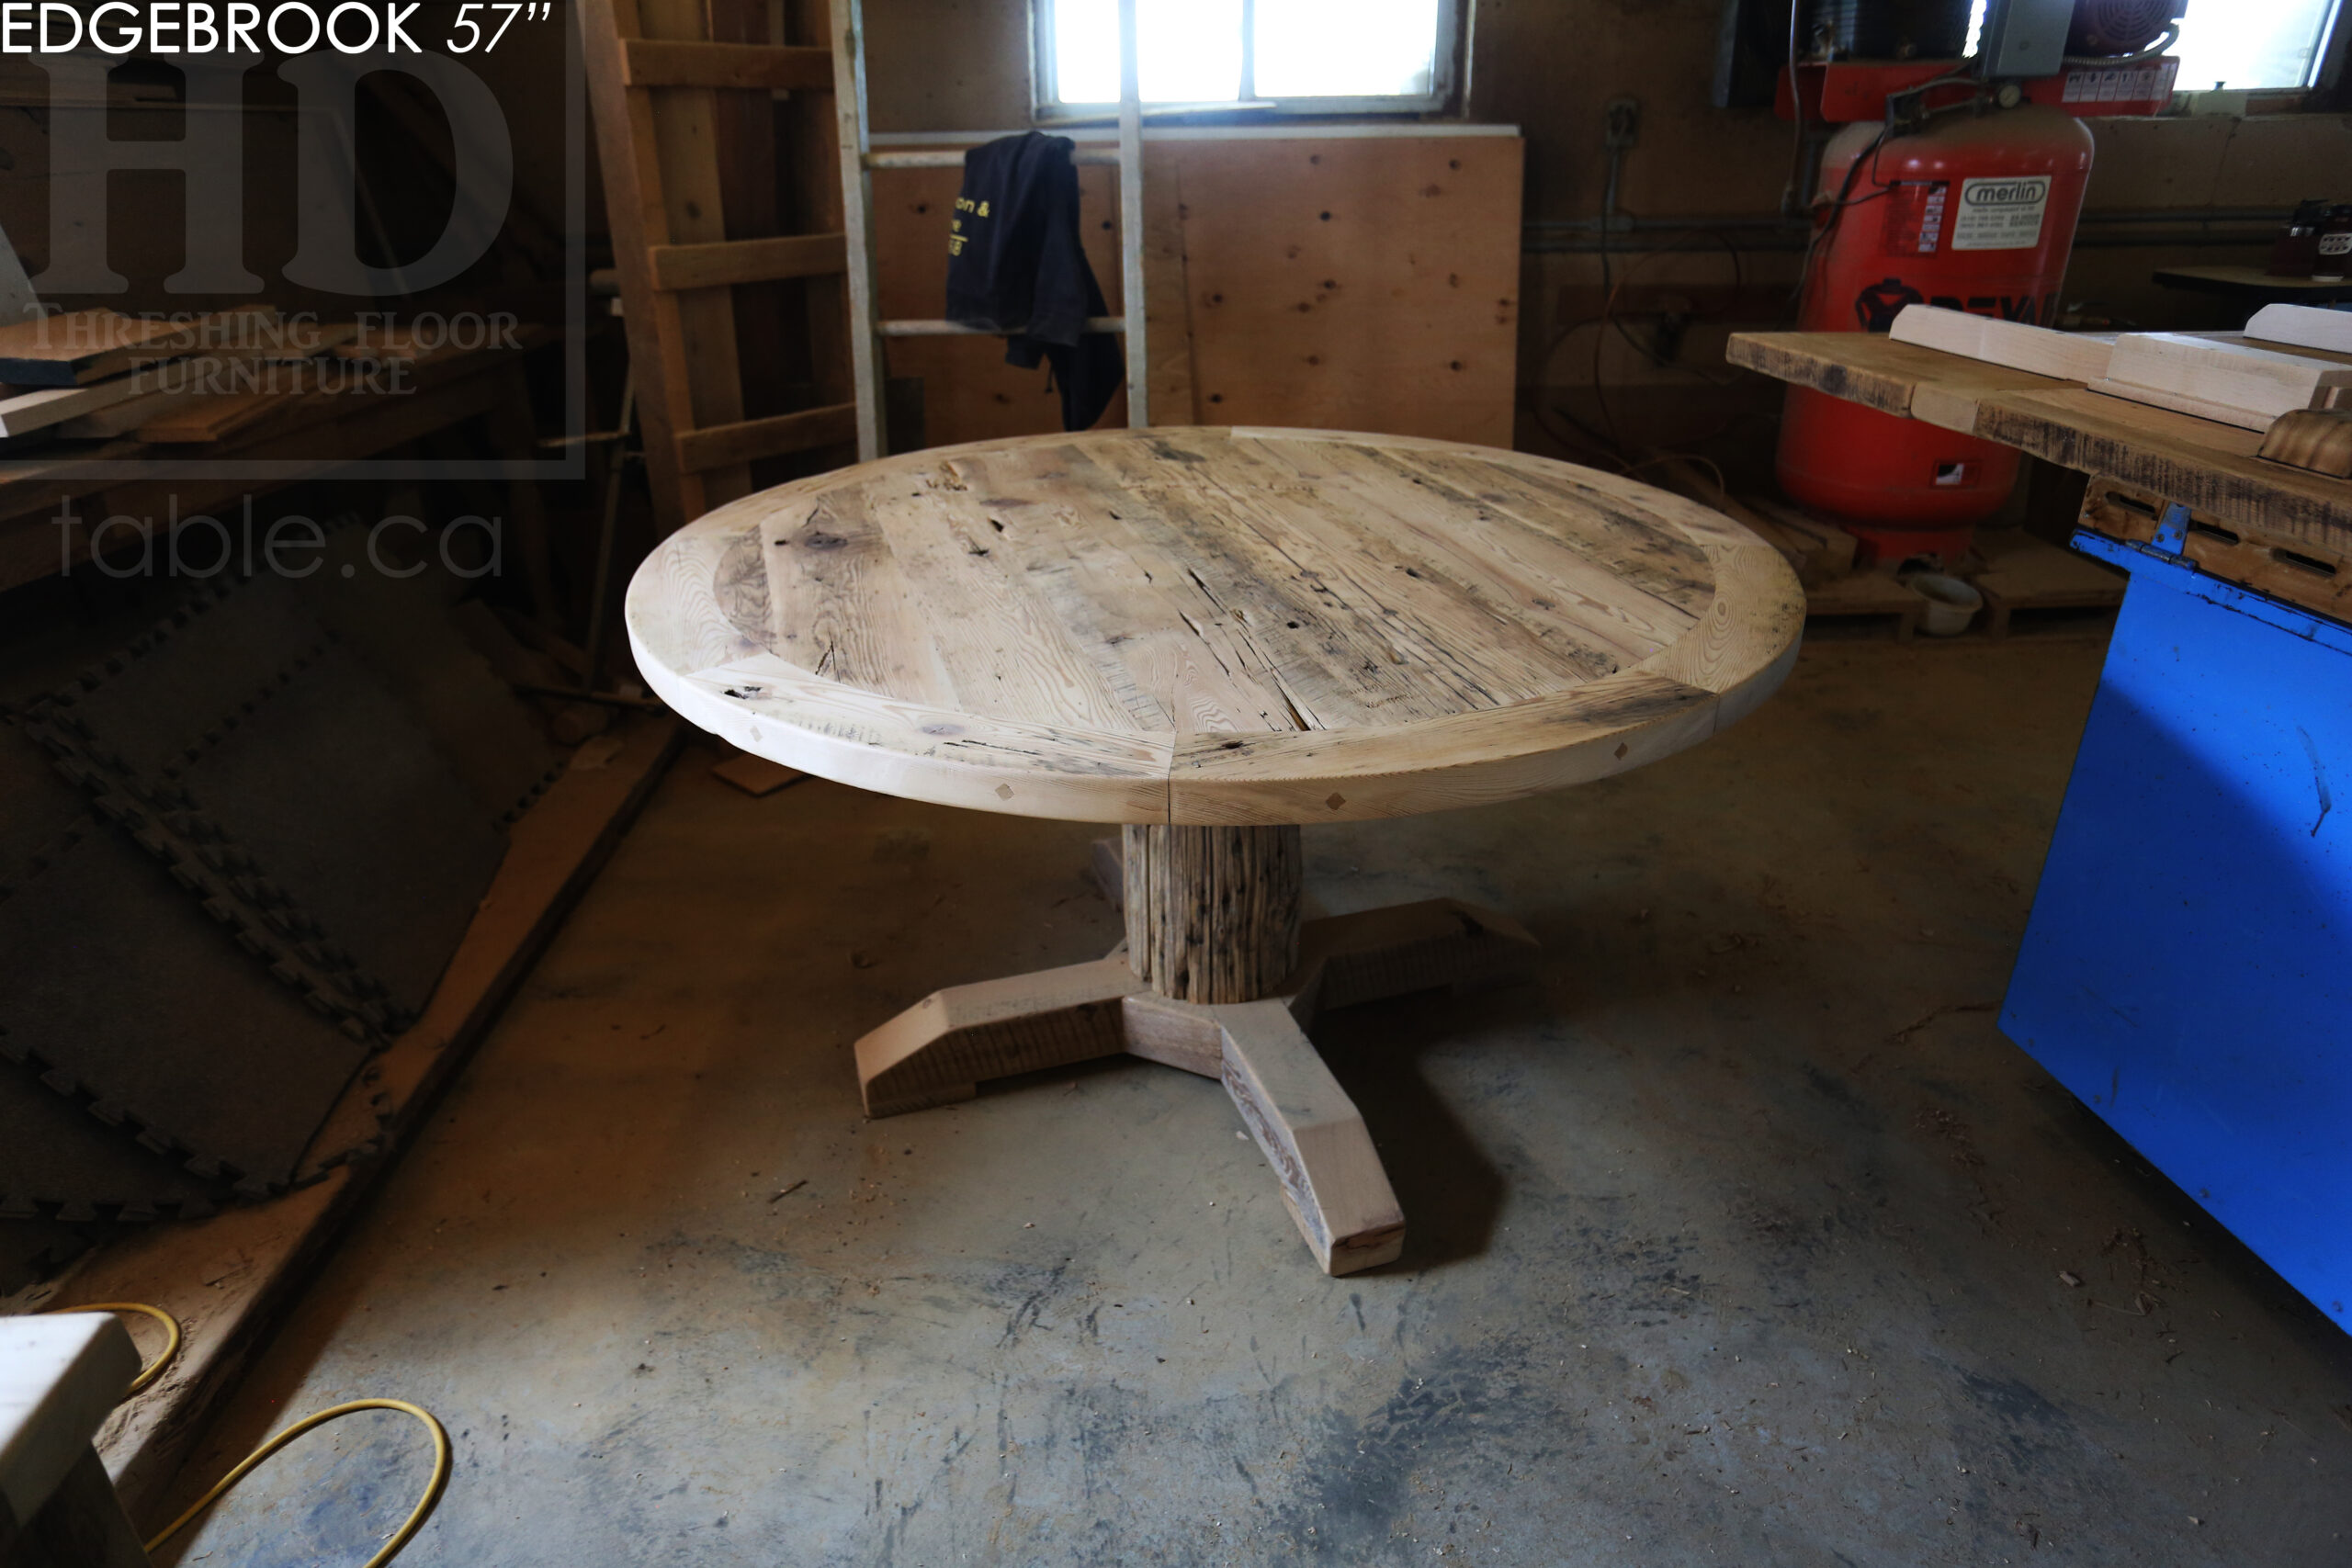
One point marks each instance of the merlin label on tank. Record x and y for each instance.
(2000, 213)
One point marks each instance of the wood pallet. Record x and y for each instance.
(2285, 565)
(2015, 571)
(2022, 574)
(1821, 553)
(1865, 595)
(1820, 550)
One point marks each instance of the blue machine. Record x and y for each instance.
(2188, 968)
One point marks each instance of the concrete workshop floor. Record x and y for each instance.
(1740, 1239)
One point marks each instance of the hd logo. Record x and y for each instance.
(210, 153)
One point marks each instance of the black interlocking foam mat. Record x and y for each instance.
(293, 788)
(144, 710)
(250, 837)
(345, 804)
(37, 808)
(56, 1160)
(124, 996)
(52, 1151)
(406, 629)
(52, 629)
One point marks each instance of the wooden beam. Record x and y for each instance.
(24, 412)
(954, 159)
(814, 195)
(847, 23)
(2206, 466)
(1312, 1135)
(307, 437)
(726, 445)
(1131, 244)
(638, 212)
(939, 1050)
(921, 327)
(685, 138)
(204, 420)
(672, 62)
(2236, 383)
(1212, 913)
(728, 262)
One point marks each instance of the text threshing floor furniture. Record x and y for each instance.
(1211, 636)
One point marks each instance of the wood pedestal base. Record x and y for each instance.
(943, 1048)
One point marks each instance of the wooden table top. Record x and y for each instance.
(2200, 463)
(1210, 626)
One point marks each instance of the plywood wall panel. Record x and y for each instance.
(1395, 313)
(1355, 284)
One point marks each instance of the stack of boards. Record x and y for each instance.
(2289, 359)
(99, 375)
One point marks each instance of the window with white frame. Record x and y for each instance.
(2251, 46)
(2254, 44)
(1300, 56)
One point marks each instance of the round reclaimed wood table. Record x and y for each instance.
(1213, 635)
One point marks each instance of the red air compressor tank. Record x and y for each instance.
(1976, 212)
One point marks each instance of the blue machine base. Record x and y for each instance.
(2188, 968)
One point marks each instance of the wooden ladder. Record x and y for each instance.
(666, 94)
(660, 85)
(858, 162)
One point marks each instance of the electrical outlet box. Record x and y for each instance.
(1623, 125)
(2026, 38)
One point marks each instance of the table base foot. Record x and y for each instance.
(939, 1050)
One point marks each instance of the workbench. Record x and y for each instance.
(2183, 970)
(2251, 284)
(2207, 467)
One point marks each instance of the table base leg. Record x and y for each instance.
(939, 1050)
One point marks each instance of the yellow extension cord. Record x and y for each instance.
(154, 1368)
(399, 1538)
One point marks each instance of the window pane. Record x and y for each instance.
(1187, 51)
(1345, 49)
(2251, 43)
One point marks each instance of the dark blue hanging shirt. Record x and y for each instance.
(1016, 266)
